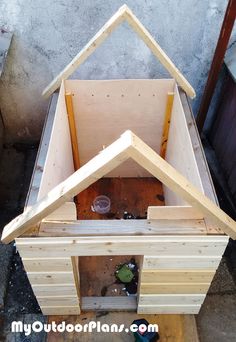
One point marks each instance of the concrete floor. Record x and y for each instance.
(216, 321)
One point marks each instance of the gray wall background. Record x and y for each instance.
(48, 34)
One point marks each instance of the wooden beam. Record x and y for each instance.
(73, 134)
(163, 171)
(121, 227)
(174, 213)
(123, 13)
(96, 168)
(165, 134)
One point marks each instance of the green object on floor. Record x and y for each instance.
(124, 274)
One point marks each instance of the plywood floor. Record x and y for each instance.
(133, 195)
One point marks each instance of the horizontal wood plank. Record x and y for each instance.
(109, 303)
(173, 212)
(169, 309)
(127, 245)
(58, 301)
(47, 264)
(62, 310)
(177, 276)
(54, 290)
(174, 288)
(121, 227)
(50, 278)
(171, 299)
(188, 262)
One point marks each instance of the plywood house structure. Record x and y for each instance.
(136, 142)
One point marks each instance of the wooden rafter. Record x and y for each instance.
(127, 146)
(124, 13)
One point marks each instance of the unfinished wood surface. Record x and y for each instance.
(42, 153)
(121, 227)
(62, 310)
(180, 153)
(172, 328)
(54, 290)
(126, 245)
(165, 134)
(109, 303)
(73, 133)
(174, 288)
(169, 309)
(76, 273)
(173, 213)
(169, 176)
(128, 145)
(66, 212)
(105, 109)
(37, 278)
(123, 13)
(58, 301)
(181, 262)
(171, 299)
(96, 168)
(206, 179)
(177, 276)
(47, 264)
(132, 195)
(59, 161)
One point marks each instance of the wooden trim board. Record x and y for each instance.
(128, 145)
(124, 13)
(173, 213)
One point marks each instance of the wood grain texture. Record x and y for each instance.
(174, 288)
(171, 299)
(126, 245)
(165, 134)
(169, 309)
(173, 212)
(177, 276)
(47, 264)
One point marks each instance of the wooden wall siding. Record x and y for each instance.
(53, 283)
(188, 262)
(169, 309)
(223, 134)
(122, 245)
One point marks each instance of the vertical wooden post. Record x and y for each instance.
(165, 134)
(217, 62)
(73, 134)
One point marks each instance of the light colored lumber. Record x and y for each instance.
(44, 278)
(73, 133)
(107, 160)
(169, 309)
(147, 158)
(42, 153)
(47, 264)
(49, 290)
(109, 303)
(123, 13)
(204, 171)
(128, 145)
(122, 245)
(121, 227)
(177, 276)
(173, 213)
(165, 134)
(174, 288)
(75, 266)
(171, 299)
(104, 109)
(62, 310)
(58, 164)
(181, 262)
(180, 153)
(190, 332)
(58, 301)
(66, 211)
(158, 52)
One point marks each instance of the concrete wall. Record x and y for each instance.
(48, 34)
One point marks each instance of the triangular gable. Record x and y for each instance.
(127, 146)
(124, 13)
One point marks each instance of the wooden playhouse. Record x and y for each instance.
(138, 144)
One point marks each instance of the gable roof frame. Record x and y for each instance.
(127, 146)
(124, 13)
